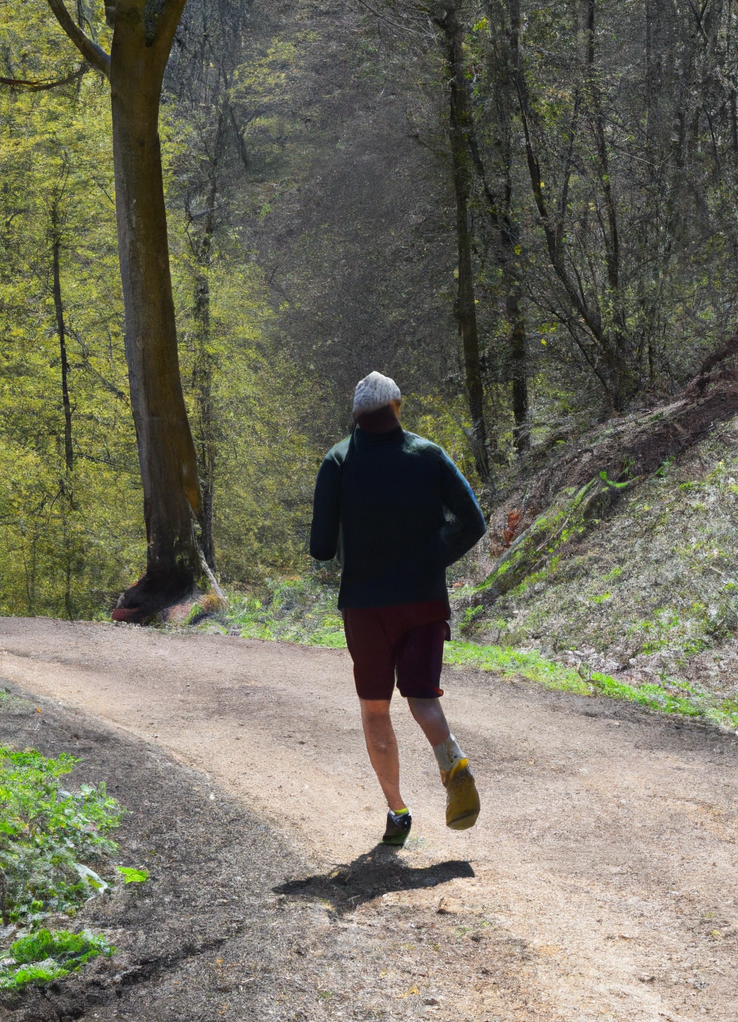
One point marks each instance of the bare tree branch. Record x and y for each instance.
(393, 23)
(92, 53)
(42, 86)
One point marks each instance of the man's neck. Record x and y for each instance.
(381, 420)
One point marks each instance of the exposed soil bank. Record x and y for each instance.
(600, 882)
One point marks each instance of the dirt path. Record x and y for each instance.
(605, 852)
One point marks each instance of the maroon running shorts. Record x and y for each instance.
(408, 637)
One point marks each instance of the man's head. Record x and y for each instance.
(375, 392)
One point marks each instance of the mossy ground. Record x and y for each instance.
(670, 697)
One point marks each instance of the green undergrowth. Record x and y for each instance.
(53, 843)
(301, 610)
(672, 697)
(304, 611)
(44, 956)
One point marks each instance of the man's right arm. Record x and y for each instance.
(326, 511)
(468, 525)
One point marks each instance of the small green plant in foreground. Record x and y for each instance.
(45, 956)
(52, 842)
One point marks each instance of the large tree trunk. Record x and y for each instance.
(460, 115)
(143, 32)
(141, 43)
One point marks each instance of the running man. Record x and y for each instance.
(397, 511)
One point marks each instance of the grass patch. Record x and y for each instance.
(52, 842)
(652, 696)
(514, 663)
(301, 610)
(511, 663)
(133, 876)
(45, 956)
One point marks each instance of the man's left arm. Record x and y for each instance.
(326, 511)
(468, 527)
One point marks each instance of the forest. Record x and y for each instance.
(524, 213)
(216, 217)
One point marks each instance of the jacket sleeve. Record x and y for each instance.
(468, 525)
(326, 511)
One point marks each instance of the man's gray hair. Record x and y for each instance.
(374, 391)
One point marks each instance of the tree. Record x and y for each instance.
(201, 78)
(460, 136)
(499, 195)
(69, 479)
(143, 32)
(488, 158)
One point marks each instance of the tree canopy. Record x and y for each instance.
(313, 218)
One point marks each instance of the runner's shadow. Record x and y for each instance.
(369, 876)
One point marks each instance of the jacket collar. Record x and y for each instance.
(364, 439)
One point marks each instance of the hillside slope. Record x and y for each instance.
(618, 552)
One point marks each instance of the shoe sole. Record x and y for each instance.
(464, 822)
(463, 790)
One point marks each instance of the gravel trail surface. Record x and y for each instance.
(600, 882)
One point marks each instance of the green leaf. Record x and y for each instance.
(133, 876)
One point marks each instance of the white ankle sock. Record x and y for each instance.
(448, 753)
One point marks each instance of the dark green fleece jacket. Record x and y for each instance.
(397, 511)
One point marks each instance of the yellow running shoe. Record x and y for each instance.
(462, 798)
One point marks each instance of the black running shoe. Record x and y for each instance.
(398, 828)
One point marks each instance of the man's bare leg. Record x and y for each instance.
(381, 745)
(429, 714)
(462, 798)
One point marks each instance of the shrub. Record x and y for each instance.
(50, 839)
(45, 956)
